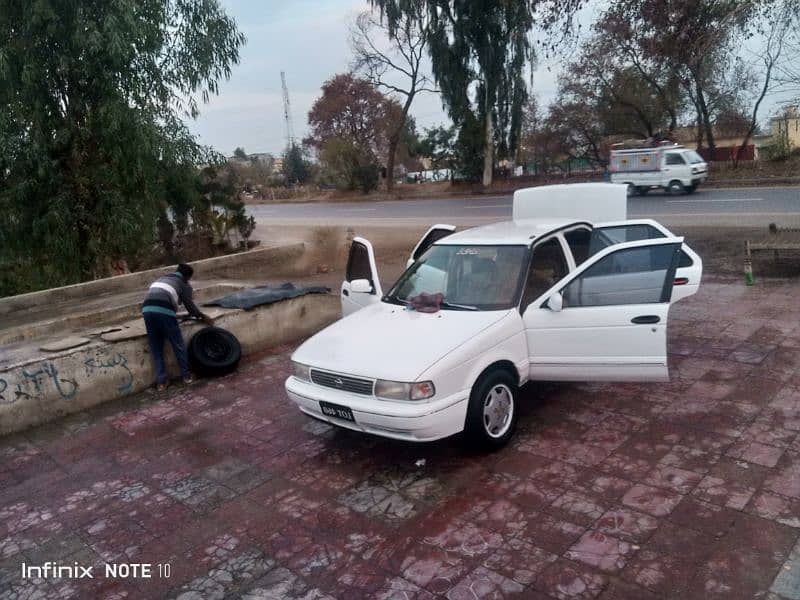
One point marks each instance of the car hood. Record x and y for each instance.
(385, 341)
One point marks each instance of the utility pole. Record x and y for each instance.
(287, 113)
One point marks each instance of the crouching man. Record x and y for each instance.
(160, 318)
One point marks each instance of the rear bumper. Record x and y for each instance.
(415, 422)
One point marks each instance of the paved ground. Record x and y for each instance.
(750, 206)
(683, 490)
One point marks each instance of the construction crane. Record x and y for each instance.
(287, 113)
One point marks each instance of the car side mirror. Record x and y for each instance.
(361, 286)
(555, 302)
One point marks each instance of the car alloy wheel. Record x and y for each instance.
(492, 410)
(498, 411)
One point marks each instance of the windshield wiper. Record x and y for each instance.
(394, 300)
(454, 306)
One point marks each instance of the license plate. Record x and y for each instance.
(335, 410)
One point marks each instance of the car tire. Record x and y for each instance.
(691, 189)
(214, 352)
(487, 427)
(675, 187)
(642, 190)
(632, 190)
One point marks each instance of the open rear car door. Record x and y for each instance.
(433, 235)
(361, 286)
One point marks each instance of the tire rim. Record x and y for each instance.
(498, 410)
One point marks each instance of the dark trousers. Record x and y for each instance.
(161, 327)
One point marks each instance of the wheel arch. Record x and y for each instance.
(499, 365)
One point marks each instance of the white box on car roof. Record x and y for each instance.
(593, 202)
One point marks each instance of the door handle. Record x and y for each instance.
(645, 319)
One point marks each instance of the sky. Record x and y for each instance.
(308, 39)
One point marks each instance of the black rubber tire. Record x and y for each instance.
(691, 189)
(675, 187)
(642, 190)
(214, 352)
(474, 427)
(632, 190)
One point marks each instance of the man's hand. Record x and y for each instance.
(207, 320)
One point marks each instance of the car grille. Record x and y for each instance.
(342, 382)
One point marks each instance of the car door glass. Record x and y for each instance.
(579, 242)
(548, 266)
(358, 266)
(675, 159)
(433, 236)
(627, 276)
(619, 234)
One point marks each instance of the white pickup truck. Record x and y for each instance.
(672, 168)
(569, 290)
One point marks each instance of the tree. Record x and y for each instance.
(295, 165)
(381, 67)
(479, 51)
(351, 108)
(778, 30)
(92, 96)
(352, 166)
(695, 39)
(240, 153)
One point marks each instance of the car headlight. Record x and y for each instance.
(301, 371)
(397, 390)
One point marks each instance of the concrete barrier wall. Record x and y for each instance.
(49, 386)
(272, 261)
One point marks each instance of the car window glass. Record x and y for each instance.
(619, 234)
(628, 276)
(478, 277)
(675, 159)
(429, 240)
(547, 267)
(358, 263)
(579, 241)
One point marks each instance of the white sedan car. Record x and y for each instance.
(569, 290)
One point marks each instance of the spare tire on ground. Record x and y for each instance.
(214, 352)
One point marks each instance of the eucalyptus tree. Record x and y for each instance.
(92, 100)
(479, 51)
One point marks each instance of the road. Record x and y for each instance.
(742, 206)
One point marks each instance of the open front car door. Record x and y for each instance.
(607, 320)
(690, 265)
(361, 286)
(433, 235)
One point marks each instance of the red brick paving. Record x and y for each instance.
(689, 489)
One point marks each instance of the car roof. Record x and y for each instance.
(507, 232)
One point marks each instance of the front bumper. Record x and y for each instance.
(412, 421)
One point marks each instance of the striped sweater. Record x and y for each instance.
(167, 292)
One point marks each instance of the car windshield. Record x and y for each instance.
(693, 157)
(469, 277)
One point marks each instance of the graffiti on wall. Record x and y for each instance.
(35, 383)
(111, 363)
(42, 381)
